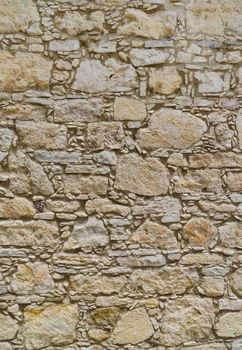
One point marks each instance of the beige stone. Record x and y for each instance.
(8, 327)
(59, 206)
(170, 128)
(49, 324)
(215, 160)
(212, 82)
(16, 208)
(230, 235)
(147, 177)
(154, 235)
(202, 259)
(229, 325)
(17, 15)
(98, 335)
(133, 327)
(23, 112)
(186, 319)
(212, 286)
(126, 108)
(32, 278)
(209, 346)
(23, 71)
(196, 181)
(165, 81)
(78, 184)
(234, 181)
(199, 232)
(106, 206)
(235, 282)
(104, 135)
(147, 57)
(7, 139)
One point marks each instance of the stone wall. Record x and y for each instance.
(121, 174)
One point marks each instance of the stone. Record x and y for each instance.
(170, 128)
(104, 135)
(155, 26)
(164, 81)
(236, 345)
(64, 45)
(230, 235)
(9, 327)
(24, 71)
(199, 232)
(7, 137)
(93, 76)
(77, 110)
(202, 259)
(49, 324)
(16, 208)
(144, 261)
(146, 177)
(154, 235)
(165, 205)
(212, 82)
(97, 284)
(197, 181)
(193, 318)
(229, 325)
(126, 108)
(91, 233)
(78, 184)
(106, 206)
(6, 346)
(234, 181)
(164, 281)
(215, 160)
(17, 16)
(239, 127)
(212, 286)
(147, 57)
(209, 346)
(61, 157)
(97, 335)
(23, 112)
(59, 206)
(28, 233)
(39, 135)
(105, 317)
(106, 157)
(235, 282)
(133, 327)
(32, 278)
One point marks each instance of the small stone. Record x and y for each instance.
(197, 181)
(105, 317)
(8, 327)
(235, 282)
(78, 184)
(229, 325)
(49, 324)
(126, 108)
(106, 157)
(105, 135)
(173, 129)
(106, 206)
(230, 235)
(234, 181)
(146, 177)
(212, 82)
(212, 286)
(16, 208)
(199, 232)
(98, 335)
(216, 160)
(64, 45)
(133, 327)
(209, 346)
(165, 81)
(147, 57)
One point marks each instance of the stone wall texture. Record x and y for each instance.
(120, 174)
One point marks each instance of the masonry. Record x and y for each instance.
(120, 174)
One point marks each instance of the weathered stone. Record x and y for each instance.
(155, 26)
(17, 15)
(215, 160)
(64, 45)
(155, 235)
(166, 280)
(58, 206)
(147, 177)
(237, 344)
(196, 181)
(212, 82)
(126, 108)
(229, 325)
(104, 317)
(162, 205)
(143, 261)
(230, 235)
(106, 157)
(7, 137)
(16, 208)
(104, 135)
(92, 76)
(28, 233)
(32, 278)
(105, 206)
(235, 282)
(91, 233)
(23, 112)
(49, 324)
(212, 286)
(133, 327)
(193, 318)
(234, 181)
(23, 71)
(165, 81)
(97, 284)
(147, 57)
(9, 327)
(61, 157)
(77, 184)
(42, 135)
(209, 346)
(77, 110)
(202, 259)
(6, 346)
(170, 128)
(199, 232)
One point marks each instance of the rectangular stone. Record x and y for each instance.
(160, 205)
(78, 184)
(105, 135)
(64, 45)
(215, 160)
(61, 157)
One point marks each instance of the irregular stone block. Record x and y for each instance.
(104, 135)
(105, 206)
(212, 82)
(212, 286)
(64, 45)
(16, 208)
(230, 235)
(77, 184)
(229, 325)
(215, 160)
(199, 232)
(126, 108)
(61, 157)
(9, 327)
(165, 81)
(147, 57)
(235, 282)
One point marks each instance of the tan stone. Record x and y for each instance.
(202, 259)
(106, 206)
(78, 184)
(133, 327)
(147, 177)
(170, 128)
(154, 235)
(147, 57)
(41, 135)
(16, 208)
(8, 327)
(58, 206)
(212, 286)
(155, 26)
(23, 112)
(126, 108)
(98, 335)
(17, 15)
(209, 346)
(216, 160)
(199, 232)
(212, 82)
(97, 284)
(235, 282)
(7, 139)
(185, 319)
(234, 181)
(104, 317)
(104, 135)
(49, 324)
(165, 81)
(23, 71)
(229, 325)
(230, 235)
(32, 278)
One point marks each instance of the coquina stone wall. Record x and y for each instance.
(120, 174)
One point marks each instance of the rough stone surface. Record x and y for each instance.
(165, 81)
(9, 327)
(229, 325)
(199, 232)
(129, 109)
